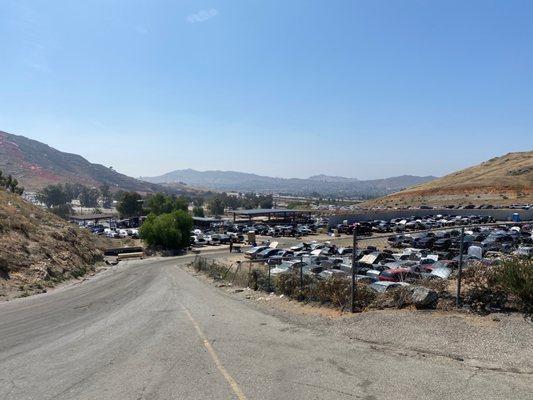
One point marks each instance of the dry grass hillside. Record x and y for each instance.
(37, 165)
(38, 249)
(498, 181)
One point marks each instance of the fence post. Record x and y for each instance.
(301, 272)
(353, 288)
(268, 265)
(460, 272)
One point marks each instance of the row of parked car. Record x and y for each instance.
(414, 260)
(239, 233)
(381, 270)
(411, 224)
(114, 233)
(477, 207)
(502, 238)
(293, 230)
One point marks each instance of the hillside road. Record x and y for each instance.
(148, 329)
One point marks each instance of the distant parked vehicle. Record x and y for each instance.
(442, 244)
(268, 252)
(524, 251)
(254, 251)
(123, 233)
(110, 233)
(280, 257)
(331, 273)
(397, 275)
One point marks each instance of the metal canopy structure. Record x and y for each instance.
(277, 213)
(204, 221)
(92, 217)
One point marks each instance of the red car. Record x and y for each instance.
(397, 275)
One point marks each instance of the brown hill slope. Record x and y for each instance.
(36, 165)
(499, 181)
(38, 249)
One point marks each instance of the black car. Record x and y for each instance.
(425, 242)
(442, 244)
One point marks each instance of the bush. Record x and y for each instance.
(396, 298)
(259, 280)
(335, 291)
(492, 286)
(482, 292)
(211, 268)
(515, 277)
(290, 285)
(198, 212)
(168, 231)
(62, 210)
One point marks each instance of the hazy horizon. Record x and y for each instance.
(253, 173)
(285, 89)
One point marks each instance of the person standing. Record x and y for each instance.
(231, 245)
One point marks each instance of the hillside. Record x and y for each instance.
(499, 181)
(36, 165)
(38, 249)
(322, 184)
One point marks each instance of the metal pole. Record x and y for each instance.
(268, 277)
(460, 272)
(353, 271)
(301, 272)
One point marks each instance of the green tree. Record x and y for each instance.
(107, 199)
(216, 205)
(89, 197)
(10, 184)
(130, 205)
(198, 212)
(250, 201)
(118, 195)
(53, 195)
(73, 190)
(62, 210)
(169, 231)
(266, 201)
(162, 204)
(231, 202)
(198, 201)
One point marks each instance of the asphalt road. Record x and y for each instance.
(150, 330)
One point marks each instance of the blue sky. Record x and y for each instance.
(290, 88)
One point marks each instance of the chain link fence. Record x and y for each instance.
(426, 268)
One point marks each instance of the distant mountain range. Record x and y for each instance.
(36, 165)
(320, 184)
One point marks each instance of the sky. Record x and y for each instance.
(287, 88)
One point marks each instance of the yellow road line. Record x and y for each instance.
(234, 386)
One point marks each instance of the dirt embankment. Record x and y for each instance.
(499, 181)
(39, 250)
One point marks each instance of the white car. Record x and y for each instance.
(110, 233)
(384, 286)
(123, 233)
(523, 251)
(198, 241)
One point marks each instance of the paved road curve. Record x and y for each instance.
(149, 330)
